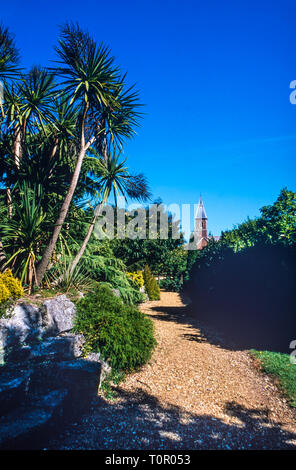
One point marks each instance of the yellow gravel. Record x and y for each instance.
(193, 394)
(189, 372)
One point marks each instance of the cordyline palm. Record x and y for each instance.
(9, 55)
(24, 233)
(117, 124)
(62, 130)
(26, 109)
(114, 179)
(91, 78)
(36, 92)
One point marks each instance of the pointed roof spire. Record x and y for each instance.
(201, 213)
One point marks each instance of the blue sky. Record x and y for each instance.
(215, 80)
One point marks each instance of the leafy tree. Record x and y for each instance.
(138, 252)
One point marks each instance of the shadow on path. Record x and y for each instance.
(139, 421)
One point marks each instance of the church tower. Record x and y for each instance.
(200, 229)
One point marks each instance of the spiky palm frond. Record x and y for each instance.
(121, 122)
(87, 69)
(38, 91)
(113, 177)
(24, 233)
(9, 55)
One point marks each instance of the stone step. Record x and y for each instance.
(58, 348)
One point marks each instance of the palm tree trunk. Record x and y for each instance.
(98, 211)
(9, 201)
(41, 269)
(86, 240)
(2, 255)
(17, 147)
(62, 215)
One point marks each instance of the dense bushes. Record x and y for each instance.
(10, 287)
(249, 295)
(172, 284)
(119, 332)
(245, 283)
(151, 285)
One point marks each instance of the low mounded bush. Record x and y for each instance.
(151, 285)
(119, 332)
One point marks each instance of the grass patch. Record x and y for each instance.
(278, 365)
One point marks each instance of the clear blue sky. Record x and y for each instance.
(215, 78)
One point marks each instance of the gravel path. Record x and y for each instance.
(194, 394)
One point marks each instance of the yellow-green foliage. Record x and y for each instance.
(9, 286)
(151, 285)
(4, 292)
(137, 278)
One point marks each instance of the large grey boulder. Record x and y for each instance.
(58, 315)
(23, 326)
(43, 378)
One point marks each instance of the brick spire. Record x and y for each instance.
(200, 229)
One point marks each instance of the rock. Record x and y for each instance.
(27, 426)
(78, 341)
(24, 325)
(105, 368)
(116, 292)
(43, 376)
(94, 357)
(59, 315)
(18, 354)
(81, 376)
(58, 348)
(14, 387)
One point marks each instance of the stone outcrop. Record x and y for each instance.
(58, 315)
(44, 380)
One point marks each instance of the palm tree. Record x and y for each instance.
(92, 79)
(37, 91)
(114, 178)
(9, 58)
(9, 55)
(26, 109)
(24, 233)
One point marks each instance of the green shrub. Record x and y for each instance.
(129, 293)
(171, 284)
(119, 332)
(151, 285)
